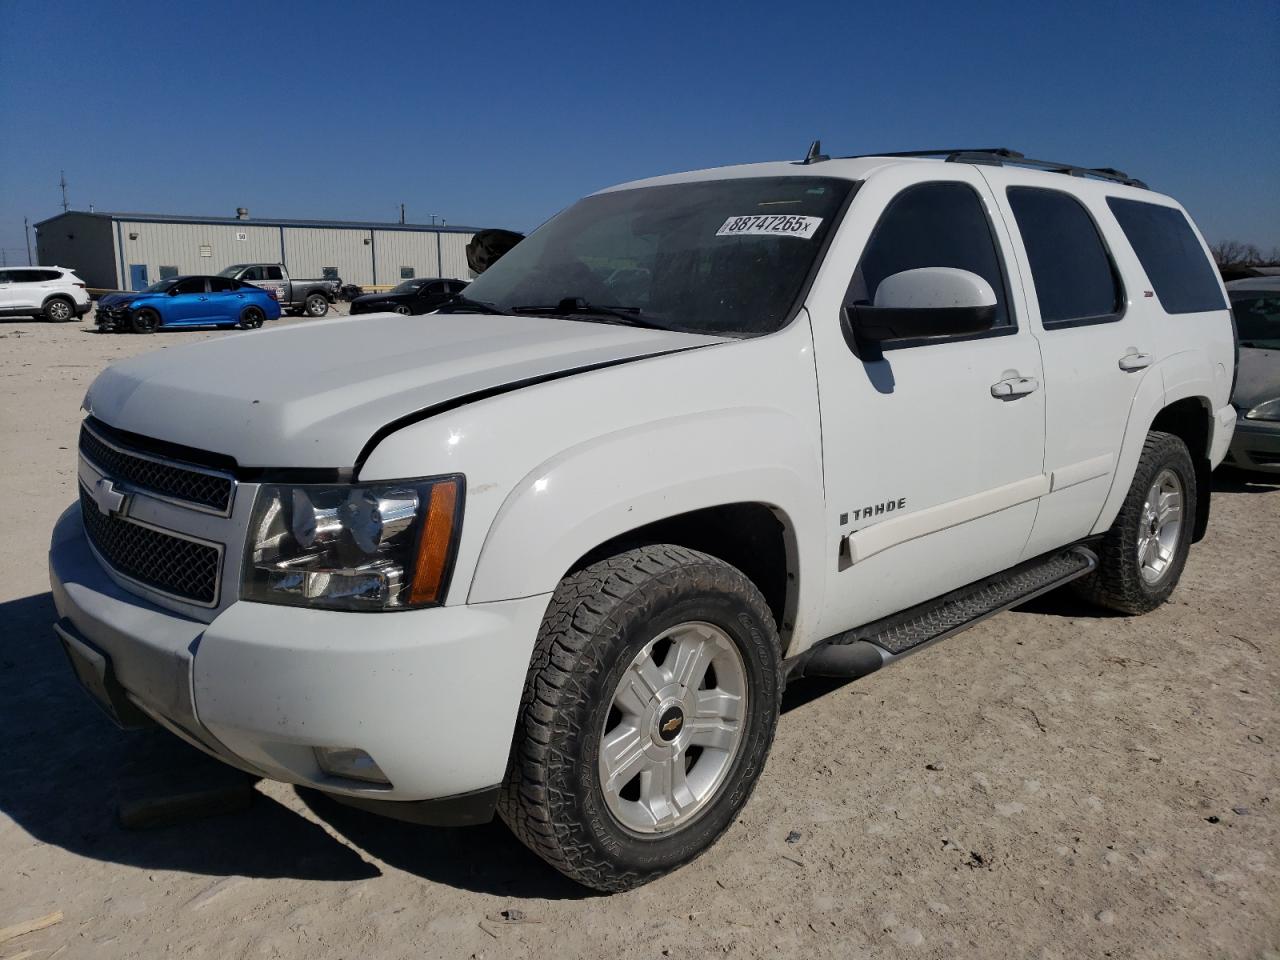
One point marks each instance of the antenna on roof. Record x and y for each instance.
(62, 182)
(815, 154)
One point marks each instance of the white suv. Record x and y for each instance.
(54, 293)
(554, 551)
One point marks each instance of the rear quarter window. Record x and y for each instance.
(1180, 273)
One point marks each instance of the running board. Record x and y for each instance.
(863, 650)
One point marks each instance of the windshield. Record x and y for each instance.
(163, 285)
(1258, 319)
(408, 286)
(727, 257)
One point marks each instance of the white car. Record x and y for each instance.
(555, 555)
(54, 293)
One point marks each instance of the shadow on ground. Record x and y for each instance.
(485, 859)
(64, 764)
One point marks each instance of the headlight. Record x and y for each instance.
(374, 546)
(1265, 411)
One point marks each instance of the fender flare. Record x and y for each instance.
(1151, 398)
(612, 484)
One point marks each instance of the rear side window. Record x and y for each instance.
(1257, 319)
(1070, 266)
(1181, 274)
(931, 225)
(221, 284)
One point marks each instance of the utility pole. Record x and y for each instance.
(26, 228)
(433, 219)
(402, 213)
(63, 183)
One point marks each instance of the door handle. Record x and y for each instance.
(1135, 361)
(202, 299)
(1014, 387)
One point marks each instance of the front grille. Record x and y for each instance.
(195, 486)
(182, 568)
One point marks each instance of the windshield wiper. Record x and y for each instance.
(578, 307)
(461, 304)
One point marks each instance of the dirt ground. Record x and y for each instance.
(1055, 783)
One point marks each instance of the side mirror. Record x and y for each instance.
(174, 291)
(918, 304)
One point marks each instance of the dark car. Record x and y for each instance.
(1255, 303)
(196, 301)
(421, 295)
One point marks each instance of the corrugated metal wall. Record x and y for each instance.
(84, 242)
(308, 250)
(394, 249)
(185, 245)
(453, 256)
(107, 249)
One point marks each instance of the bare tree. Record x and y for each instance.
(1233, 253)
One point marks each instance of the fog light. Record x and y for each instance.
(351, 763)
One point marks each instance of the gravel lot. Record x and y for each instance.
(1054, 783)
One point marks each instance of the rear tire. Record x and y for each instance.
(316, 305)
(59, 310)
(251, 318)
(607, 781)
(145, 320)
(401, 309)
(1141, 557)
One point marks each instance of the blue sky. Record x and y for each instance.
(499, 114)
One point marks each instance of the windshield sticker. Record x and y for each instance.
(770, 225)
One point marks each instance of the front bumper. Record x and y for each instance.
(1255, 446)
(432, 695)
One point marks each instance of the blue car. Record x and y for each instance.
(188, 302)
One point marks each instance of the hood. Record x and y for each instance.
(116, 299)
(1259, 378)
(312, 395)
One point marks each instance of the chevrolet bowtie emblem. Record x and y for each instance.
(672, 725)
(108, 498)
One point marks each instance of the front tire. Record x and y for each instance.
(145, 320)
(649, 708)
(317, 305)
(59, 310)
(1141, 557)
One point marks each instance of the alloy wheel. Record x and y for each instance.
(673, 729)
(1160, 526)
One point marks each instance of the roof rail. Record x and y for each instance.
(1000, 156)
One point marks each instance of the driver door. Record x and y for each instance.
(188, 302)
(932, 480)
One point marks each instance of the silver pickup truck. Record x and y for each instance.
(311, 297)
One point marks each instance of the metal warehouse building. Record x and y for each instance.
(128, 251)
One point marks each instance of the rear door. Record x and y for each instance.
(931, 478)
(9, 292)
(1095, 335)
(226, 300)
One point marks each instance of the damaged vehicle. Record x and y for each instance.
(555, 554)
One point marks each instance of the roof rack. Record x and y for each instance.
(1000, 156)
